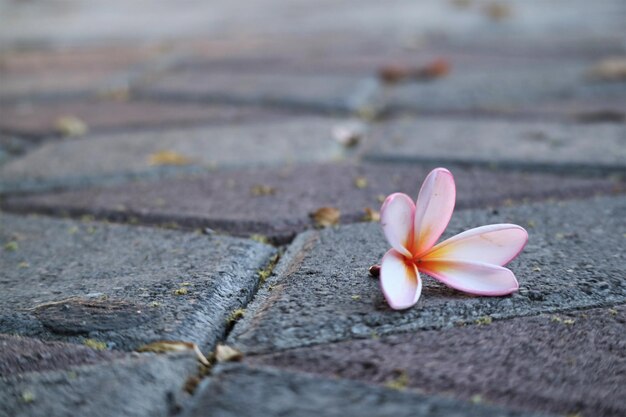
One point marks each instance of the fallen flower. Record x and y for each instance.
(471, 261)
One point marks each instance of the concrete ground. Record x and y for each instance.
(161, 164)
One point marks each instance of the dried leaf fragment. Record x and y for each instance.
(165, 346)
(395, 73)
(28, 397)
(260, 238)
(168, 158)
(11, 246)
(360, 182)
(476, 399)
(483, 321)
(225, 353)
(349, 134)
(95, 344)
(371, 215)
(235, 315)
(70, 126)
(326, 216)
(181, 291)
(117, 94)
(498, 11)
(400, 382)
(610, 69)
(264, 274)
(261, 190)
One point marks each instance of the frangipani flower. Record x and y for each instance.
(472, 261)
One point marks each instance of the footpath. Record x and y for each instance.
(189, 202)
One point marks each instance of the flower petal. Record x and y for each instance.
(399, 280)
(433, 210)
(493, 244)
(471, 277)
(396, 217)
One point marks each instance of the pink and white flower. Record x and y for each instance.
(472, 261)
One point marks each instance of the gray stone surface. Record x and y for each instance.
(566, 364)
(497, 88)
(138, 386)
(122, 21)
(536, 145)
(62, 84)
(238, 390)
(120, 157)
(40, 119)
(22, 354)
(321, 291)
(60, 72)
(225, 201)
(313, 91)
(122, 286)
(11, 145)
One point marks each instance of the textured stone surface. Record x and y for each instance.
(153, 79)
(140, 385)
(343, 54)
(122, 21)
(120, 157)
(317, 92)
(66, 72)
(238, 390)
(121, 286)
(40, 118)
(322, 292)
(566, 363)
(23, 354)
(64, 84)
(226, 201)
(11, 145)
(496, 89)
(550, 146)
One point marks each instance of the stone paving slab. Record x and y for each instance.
(238, 390)
(120, 286)
(566, 364)
(37, 119)
(341, 54)
(494, 89)
(321, 92)
(120, 21)
(120, 157)
(321, 292)
(139, 385)
(50, 84)
(232, 201)
(36, 61)
(19, 355)
(518, 86)
(598, 147)
(68, 72)
(11, 145)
